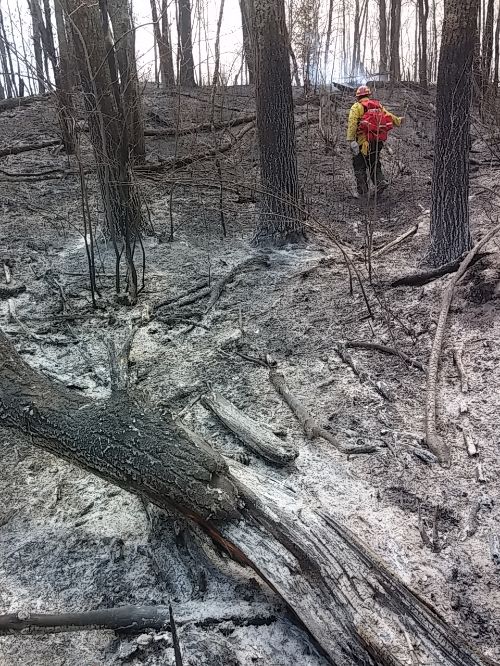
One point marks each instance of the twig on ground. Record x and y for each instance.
(309, 425)
(434, 442)
(420, 279)
(394, 243)
(362, 374)
(385, 350)
(457, 357)
(219, 286)
(258, 438)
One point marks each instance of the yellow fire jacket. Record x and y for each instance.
(355, 114)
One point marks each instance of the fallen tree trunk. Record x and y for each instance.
(203, 127)
(359, 612)
(27, 147)
(16, 102)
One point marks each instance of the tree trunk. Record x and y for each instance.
(356, 609)
(247, 31)
(328, 33)
(124, 41)
(65, 107)
(382, 22)
(497, 55)
(37, 46)
(395, 62)
(108, 129)
(3, 60)
(450, 235)
(487, 50)
(163, 42)
(186, 45)
(279, 220)
(423, 15)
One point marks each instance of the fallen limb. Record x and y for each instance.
(434, 441)
(346, 597)
(259, 439)
(385, 350)
(203, 127)
(362, 374)
(309, 425)
(7, 273)
(186, 160)
(136, 618)
(27, 147)
(219, 286)
(394, 243)
(419, 279)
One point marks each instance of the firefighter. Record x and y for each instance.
(367, 130)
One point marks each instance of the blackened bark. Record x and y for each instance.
(3, 59)
(395, 61)
(163, 42)
(342, 592)
(186, 44)
(487, 50)
(95, 57)
(497, 55)
(423, 15)
(450, 235)
(279, 220)
(37, 46)
(117, 439)
(247, 31)
(65, 107)
(124, 42)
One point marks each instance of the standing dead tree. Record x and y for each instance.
(395, 59)
(357, 610)
(162, 36)
(423, 16)
(60, 65)
(186, 61)
(279, 220)
(247, 32)
(124, 45)
(450, 235)
(98, 71)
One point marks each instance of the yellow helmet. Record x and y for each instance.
(363, 91)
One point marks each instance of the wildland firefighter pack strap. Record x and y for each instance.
(375, 123)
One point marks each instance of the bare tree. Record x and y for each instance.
(162, 37)
(247, 30)
(497, 55)
(279, 220)
(37, 47)
(7, 89)
(124, 44)
(423, 16)
(382, 26)
(96, 62)
(450, 235)
(186, 67)
(395, 60)
(487, 49)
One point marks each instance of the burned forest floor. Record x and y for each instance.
(70, 542)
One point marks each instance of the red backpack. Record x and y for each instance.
(375, 123)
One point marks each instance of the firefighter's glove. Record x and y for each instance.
(354, 148)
